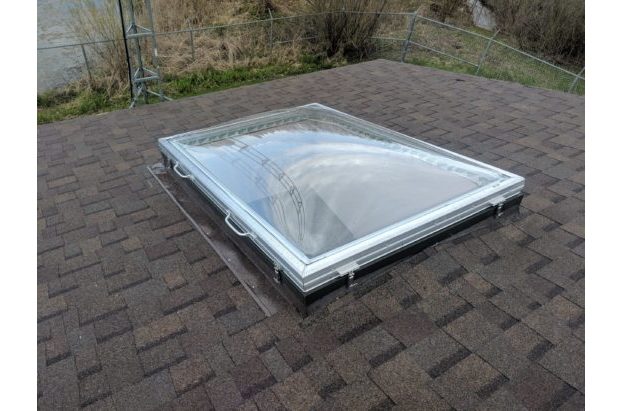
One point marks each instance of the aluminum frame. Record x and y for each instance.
(310, 274)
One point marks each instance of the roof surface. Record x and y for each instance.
(136, 311)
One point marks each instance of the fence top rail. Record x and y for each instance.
(386, 13)
(84, 43)
(387, 38)
(532, 56)
(243, 23)
(441, 23)
(192, 29)
(215, 27)
(383, 13)
(420, 17)
(491, 38)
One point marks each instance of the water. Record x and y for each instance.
(56, 67)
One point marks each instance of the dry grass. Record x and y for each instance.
(341, 34)
(553, 28)
(445, 9)
(348, 34)
(92, 21)
(225, 48)
(220, 48)
(241, 54)
(171, 15)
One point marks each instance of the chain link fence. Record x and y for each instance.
(405, 37)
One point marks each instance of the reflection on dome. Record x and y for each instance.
(322, 186)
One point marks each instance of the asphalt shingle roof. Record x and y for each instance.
(136, 311)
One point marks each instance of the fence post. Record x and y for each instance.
(270, 34)
(192, 44)
(86, 63)
(405, 45)
(575, 80)
(483, 56)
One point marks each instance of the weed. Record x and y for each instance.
(64, 104)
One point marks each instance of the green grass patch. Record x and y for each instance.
(59, 105)
(519, 70)
(64, 104)
(213, 80)
(501, 63)
(442, 63)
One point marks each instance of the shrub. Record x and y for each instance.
(346, 33)
(553, 27)
(445, 9)
(92, 21)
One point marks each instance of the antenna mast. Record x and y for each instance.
(145, 80)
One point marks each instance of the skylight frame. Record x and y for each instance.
(309, 274)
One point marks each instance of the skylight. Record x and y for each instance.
(323, 194)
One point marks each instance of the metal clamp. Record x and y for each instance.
(350, 280)
(277, 274)
(234, 229)
(189, 176)
(498, 210)
(498, 204)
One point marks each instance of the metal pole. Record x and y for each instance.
(86, 63)
(270, 36)
(486, 50)
(137, 43)
(575, 80)
(155, 47)
(127, 54)
(405, 46)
